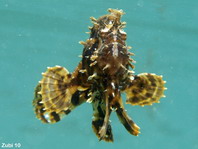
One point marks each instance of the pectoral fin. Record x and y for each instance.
(145, 89)
(55, 95)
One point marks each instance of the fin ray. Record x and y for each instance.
(52, 115)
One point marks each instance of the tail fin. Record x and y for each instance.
(99, 108)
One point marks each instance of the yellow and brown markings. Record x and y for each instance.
(100, 78)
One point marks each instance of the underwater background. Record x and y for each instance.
(35, 34)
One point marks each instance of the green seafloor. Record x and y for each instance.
(35, 34)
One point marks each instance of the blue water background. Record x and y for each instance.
(35, 34)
